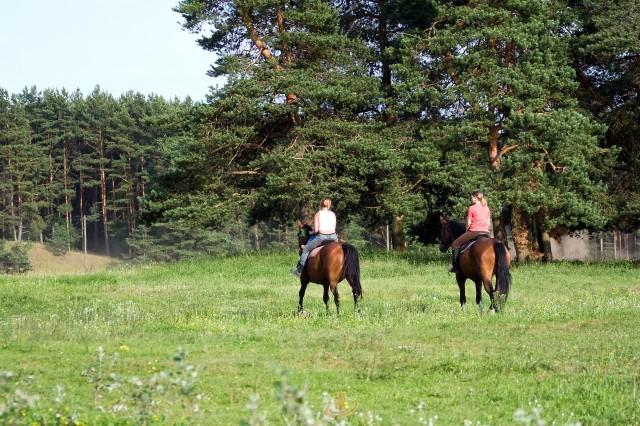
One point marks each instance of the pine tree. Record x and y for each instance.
(101, 108)
(23, 165)
(606, 51)
(496, 77)
(56, 115)
(83, 163)
(297, 96)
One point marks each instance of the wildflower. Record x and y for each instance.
(124, 348)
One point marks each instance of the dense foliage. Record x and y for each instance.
(396, 109)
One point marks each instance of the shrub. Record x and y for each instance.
(61, 239)
(14, 260)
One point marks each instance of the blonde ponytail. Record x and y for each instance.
(480, 197)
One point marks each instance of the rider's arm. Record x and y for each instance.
(468, 220)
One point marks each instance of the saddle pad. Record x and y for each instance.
(468, 245)
(316, 250)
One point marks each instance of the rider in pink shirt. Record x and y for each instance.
(478, 217)
(478, 223)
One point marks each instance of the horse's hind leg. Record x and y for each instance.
(325, 296)
(336, 296)
(303, 289)
(356, 296)
(463, 299)
(491, 291)
(478, 284)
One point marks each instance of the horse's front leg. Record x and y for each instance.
(463, 299)
(303, 288)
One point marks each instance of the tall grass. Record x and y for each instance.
(565, 348)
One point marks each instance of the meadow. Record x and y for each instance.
(218, 341)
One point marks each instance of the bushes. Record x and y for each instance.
(173, 242)
(61, 239)
(15, 260)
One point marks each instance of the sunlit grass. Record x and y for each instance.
(568, 338)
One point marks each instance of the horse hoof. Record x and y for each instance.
(304, 314)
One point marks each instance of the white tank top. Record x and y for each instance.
(326, 222)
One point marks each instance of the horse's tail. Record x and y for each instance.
(503, 276)
(352, 268)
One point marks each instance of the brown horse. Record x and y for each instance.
(334, 262)
(479, 262)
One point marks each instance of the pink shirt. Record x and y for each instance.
(478, 217)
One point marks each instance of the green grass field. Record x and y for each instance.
(566, 349)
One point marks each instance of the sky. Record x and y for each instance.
(120, 45)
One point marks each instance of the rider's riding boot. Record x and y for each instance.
(454, 260)
(297, 271)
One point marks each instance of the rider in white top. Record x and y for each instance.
(324, 222)
(324, 227)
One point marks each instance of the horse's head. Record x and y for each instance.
(304, 231)
(449, 231)
(445, 234)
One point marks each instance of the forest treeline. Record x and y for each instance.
(397, 109)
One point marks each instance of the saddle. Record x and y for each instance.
(466, 246)
(316, 250)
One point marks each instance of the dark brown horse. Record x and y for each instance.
(479, 262)
(334, 262)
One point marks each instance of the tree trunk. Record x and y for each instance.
(256, 237)
(494, 153)
(95, 221)
(542, 236)
(142, 176)
(546, 246)
(499, 230)
(80, 193)
(114, 206)
(131, 195)
(20, 222)
(67, 206)
(267, 55)
(50, 201)
(103, 192)
(13, 212)
(520, 232)
(20, 230)
(397, 233)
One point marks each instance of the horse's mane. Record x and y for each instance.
(457, 228)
